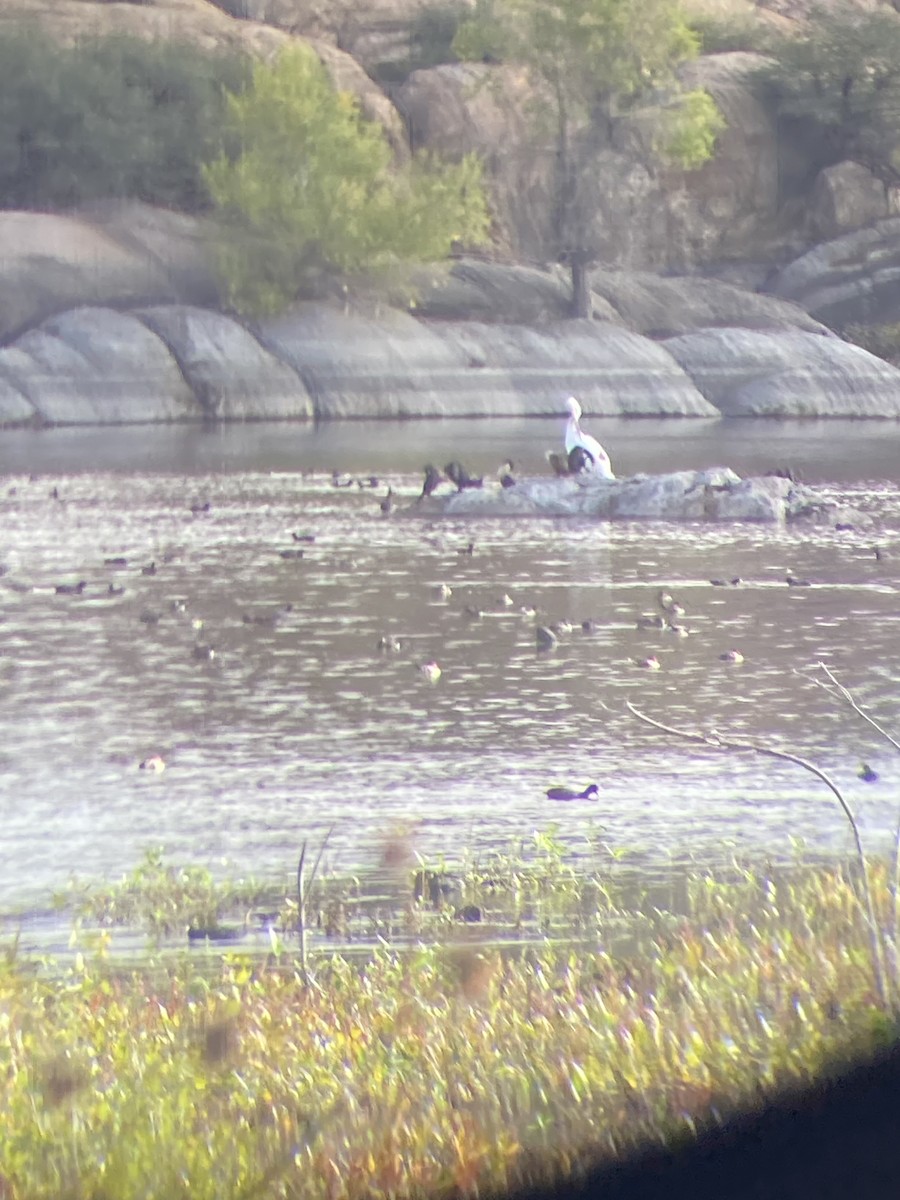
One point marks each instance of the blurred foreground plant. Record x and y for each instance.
(454, 1067)
(882, 925)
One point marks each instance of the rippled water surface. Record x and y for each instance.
(297, 722)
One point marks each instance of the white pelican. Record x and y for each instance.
(576, 437)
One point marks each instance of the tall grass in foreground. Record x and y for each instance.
(453, 1067)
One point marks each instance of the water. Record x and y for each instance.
(298, 724)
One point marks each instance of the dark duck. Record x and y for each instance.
(458, 474)
(591, 792)
(432, 478)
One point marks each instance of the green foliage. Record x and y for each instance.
(594, 62)
(112, 116)
(164, 899)
(722, 31)
(688, 130)
(586, 50)
(310, 187)
(840, 79)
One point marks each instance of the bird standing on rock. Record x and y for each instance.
(458, 474)
(432, 479)
(575, 436)
(505, 475)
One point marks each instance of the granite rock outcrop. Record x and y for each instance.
(716, 494)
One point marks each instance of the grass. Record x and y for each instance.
(448, 1066)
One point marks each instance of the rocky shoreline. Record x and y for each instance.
(716, 494)
(110, 318)
(720, 293)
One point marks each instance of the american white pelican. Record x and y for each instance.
(576, 437)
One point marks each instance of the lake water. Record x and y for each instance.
(299, 724)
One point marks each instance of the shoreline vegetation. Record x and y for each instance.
(502, 1023)
(441, 1058)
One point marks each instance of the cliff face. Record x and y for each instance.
(109, 314)
(646, 217)
(732, 210)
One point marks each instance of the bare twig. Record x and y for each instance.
(847, 696)
(719, 742)
(301, 909)
(834, 686)
(303, 887)
(318, 861)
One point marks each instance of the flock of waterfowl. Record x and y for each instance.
(669, 619)
(582, 453)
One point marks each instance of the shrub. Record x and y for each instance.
(310, 189)
(113, 116)
(719, 34)
(839, 84)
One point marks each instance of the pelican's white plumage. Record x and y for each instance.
(575, 436)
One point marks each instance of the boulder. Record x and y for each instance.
(663, 306)
(749, 374)
(729, 207)
(195, 21)
(230, 374)
(852, 279)
(656, 305)
(458, 108)
(15, 407)
(174, 243)
(472, 289)
(393, 365)
(389, 365)
(348, 76)
(645, 216)
(208, 27)
(613, 371)
(382, 35)
(844, 197)
(98, 367)
(717, 494)
(55, 262)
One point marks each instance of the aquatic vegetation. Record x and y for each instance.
(427, 1068)
(162, 899)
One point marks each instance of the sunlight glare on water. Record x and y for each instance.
(255, 671)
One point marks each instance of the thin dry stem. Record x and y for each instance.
(719, 742)
(847, 696)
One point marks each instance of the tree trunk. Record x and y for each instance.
(581, 292)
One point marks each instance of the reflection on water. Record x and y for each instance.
(256, 673)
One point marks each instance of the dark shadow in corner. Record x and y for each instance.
(838, 1139)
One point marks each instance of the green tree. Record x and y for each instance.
(836, 88)
(597, 62)
(110, 116)
(310, 188)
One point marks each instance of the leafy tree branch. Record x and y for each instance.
(309, 187)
